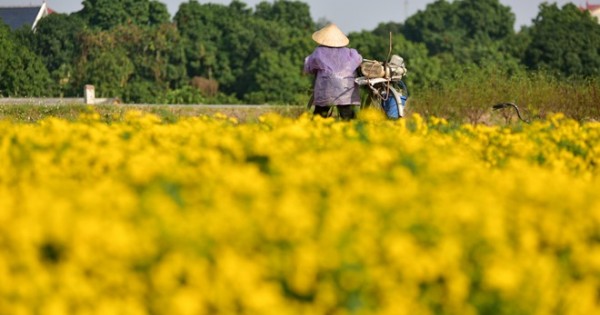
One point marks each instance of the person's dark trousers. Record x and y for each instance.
(347, 112)
(323, 111)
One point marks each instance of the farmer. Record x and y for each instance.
(335, 66)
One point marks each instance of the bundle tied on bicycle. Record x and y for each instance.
(386, 89)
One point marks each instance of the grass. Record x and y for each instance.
(468, 99)
(168, 113)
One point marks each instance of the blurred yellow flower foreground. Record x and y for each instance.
(281, 216)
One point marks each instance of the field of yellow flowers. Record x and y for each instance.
(298, 216)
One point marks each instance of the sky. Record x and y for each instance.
(349, 15)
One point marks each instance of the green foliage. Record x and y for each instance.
(515, 45)
(140, 91)
(203, 27)
(56, 42)
(465, 29)
(277, 80)
(185, 95)
(158, 13)
(156, 53)
(106, 14)
(5, 45)
(257, 56)
(109, 71)
(22, 72)
(294, 14)
(564, 41)
(150, 59)
(55, 39)
(485, 19)
(459, 35)
(437, 27)
(370, 46)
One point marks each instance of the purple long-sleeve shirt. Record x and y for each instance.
(335, 70)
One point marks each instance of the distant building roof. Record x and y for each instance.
(594, 9)
(590, 7)
(17, 17)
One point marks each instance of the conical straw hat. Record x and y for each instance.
(331, 36)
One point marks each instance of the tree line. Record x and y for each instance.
(213, 53)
